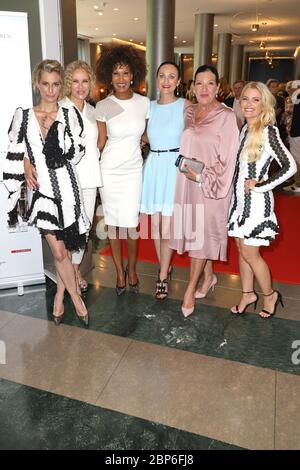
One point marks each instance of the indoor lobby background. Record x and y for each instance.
(142, 376)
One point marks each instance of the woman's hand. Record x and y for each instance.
(250, 184)
(30, 175)
(191, 174)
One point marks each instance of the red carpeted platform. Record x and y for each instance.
(282, 256)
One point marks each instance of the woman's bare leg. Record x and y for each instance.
(116, 248)
(131, 247)
(66, 274)
(247, 280)
(260, 269)
(156, 232)
(196, 268)
(165, 251)
(208, 276)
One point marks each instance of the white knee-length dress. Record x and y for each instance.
(121, 159)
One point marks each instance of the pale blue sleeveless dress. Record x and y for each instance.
(164, 131)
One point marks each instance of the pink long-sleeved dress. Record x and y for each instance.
(199, 219)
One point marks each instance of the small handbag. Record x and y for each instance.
(192, 163)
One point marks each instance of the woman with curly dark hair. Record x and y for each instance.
(121, 121)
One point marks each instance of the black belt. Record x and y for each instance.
(163, 151)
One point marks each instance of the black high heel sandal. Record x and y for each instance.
(122, 289)
(161, 292)
(134, 288)
(250, 303)
(279, 299)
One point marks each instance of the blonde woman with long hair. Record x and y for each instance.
(252, 220)
(79, 82)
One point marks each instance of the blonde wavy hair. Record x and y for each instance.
(70, 69)
(254, 144)
(47, 65)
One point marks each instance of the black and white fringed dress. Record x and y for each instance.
(56, 207)
(251, 215)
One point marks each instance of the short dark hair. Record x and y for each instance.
(168, 63)
(205, 68)
(121, 55)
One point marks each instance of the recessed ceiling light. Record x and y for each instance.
(100, 13)
(114, 34)
(116, 9)
(136, 18)
(184, 41)
(141, 42)
(216, 25)
(96, 29)
(96, 7)
(175, 37)
(131, 40)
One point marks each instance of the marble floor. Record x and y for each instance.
(141, 376)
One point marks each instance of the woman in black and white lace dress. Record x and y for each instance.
(51, 139)
(252, 220)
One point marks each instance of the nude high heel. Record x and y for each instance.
(202, 295)
(187, 311)
(83, 318)
(57, 318)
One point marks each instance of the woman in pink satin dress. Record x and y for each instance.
(202, 200)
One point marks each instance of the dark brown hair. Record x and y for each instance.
(121, 55)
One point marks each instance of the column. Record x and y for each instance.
(224, 48)
(236, 63)
(69, 30)
(50, 20)
(297, 64)
(245, 67)
(203, 39)
(159, 38)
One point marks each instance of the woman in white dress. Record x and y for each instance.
(79, 81)
(51, 139)
(122, 120)
(252, 220)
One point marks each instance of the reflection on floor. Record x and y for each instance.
(143, 377)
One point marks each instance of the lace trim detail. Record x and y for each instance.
(236, 176)
(77, 207)
(73, 240)
(54, 154)
(248, 196)
(261, 227)
(280, 153)
(18, 156)
(37, 195)
(13, 176)
(267, 199)
(13, 217)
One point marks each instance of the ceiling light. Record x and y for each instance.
(255, 27)
(184, 41)
(96, 7)
(116, 9)
(114, 34)
(175, 37)
(141, 42)
(216, 25)
(100, 13)
(136, 19)
(131, 40)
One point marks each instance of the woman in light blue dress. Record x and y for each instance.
(164, 131)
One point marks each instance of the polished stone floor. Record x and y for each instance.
(141, 376)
